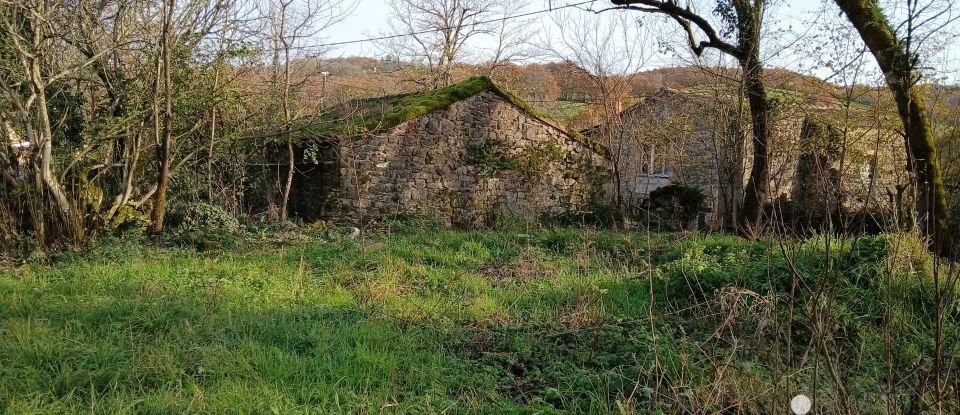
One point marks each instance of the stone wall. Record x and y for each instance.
(697, 143)
(480, 157)
(705, 141)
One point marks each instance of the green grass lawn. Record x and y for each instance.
(426, 322)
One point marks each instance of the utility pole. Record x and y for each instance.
(323, 88)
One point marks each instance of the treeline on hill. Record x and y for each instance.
(566, 90)
(112, 114)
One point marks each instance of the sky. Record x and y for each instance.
(796, 21)
(370, 18)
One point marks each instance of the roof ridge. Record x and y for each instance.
(418, 104)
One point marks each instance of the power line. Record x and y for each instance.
(440, 29)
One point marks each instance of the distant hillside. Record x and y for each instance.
(568, 93)
(686, 77)
(562, 80)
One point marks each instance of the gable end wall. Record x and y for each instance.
(480, 157)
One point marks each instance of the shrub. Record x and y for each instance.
(127, 218)
(676, 205)
(208, 217)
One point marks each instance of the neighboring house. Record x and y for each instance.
(460, 154)
(703, 138)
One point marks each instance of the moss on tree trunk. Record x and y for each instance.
(898, 66)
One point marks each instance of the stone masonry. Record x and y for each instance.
(480, 157)
(704, 139)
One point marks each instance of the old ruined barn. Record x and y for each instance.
(462, 154)
(822, 154)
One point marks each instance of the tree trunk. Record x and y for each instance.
(287, 118)
(758, 185)
(163, 178)
(43, 138)
(46, 171)
(210, 147)
(898, 67)
(288, 185)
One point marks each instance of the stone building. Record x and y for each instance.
(460, 154)
(822, 154)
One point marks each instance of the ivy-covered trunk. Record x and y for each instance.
(758, 185)
(899, 69)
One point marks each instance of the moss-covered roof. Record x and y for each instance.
(410, 106)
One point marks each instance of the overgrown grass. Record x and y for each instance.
(557, 320)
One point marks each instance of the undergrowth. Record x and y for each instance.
(500, 321)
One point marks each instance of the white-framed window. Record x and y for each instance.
(654, 161)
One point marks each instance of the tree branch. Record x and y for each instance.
(684, 17)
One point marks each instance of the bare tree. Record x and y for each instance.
(291, 26)
(183, 27)
(609, 49)
(163, 152)
(33, 39)
(436, 32)
(511, 37)
(96, 92)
